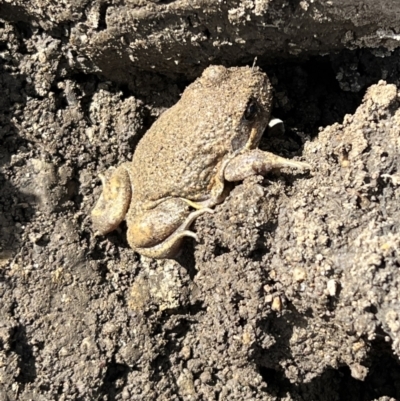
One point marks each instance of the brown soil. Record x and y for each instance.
(292, 292)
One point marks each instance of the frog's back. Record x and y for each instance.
(180, 153)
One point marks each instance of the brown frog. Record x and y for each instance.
(180, 167)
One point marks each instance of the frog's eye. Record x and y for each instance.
(251, 110)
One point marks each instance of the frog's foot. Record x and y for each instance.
(258, 162)
(170, 246)
(197, 205)
(114, 201)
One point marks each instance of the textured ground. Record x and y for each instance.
(119, 39)
(292, 292)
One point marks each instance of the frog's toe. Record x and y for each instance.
(193, 216)
(170, 246)
(167, 249)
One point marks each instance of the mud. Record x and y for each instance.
(292, 292)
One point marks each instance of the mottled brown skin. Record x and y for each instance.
(209, 137)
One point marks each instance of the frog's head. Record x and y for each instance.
(253, 111)
(243, 96)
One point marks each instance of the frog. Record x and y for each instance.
(187, 161)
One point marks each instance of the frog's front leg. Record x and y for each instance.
(257, 162)
(158, 232)
(114, 201)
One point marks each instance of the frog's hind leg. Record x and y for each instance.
(169, 247)
(114, 201)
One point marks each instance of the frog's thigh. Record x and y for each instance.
(114, 201)
(257, 162)
(149, 227)
(158, 232)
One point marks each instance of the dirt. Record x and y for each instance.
(120, 40)
(292, 292)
